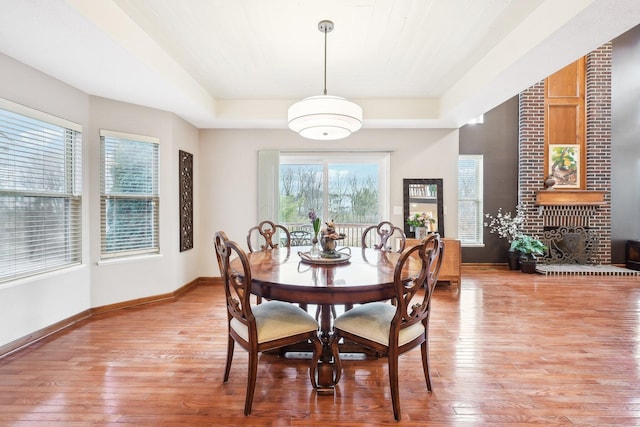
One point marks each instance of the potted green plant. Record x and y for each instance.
(528, 247)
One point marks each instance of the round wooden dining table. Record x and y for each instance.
(286, 275)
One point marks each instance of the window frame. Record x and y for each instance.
(35, 135)
(478, 200)
(382, 159)
(153, 198)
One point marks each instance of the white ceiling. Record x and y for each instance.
(242, 63)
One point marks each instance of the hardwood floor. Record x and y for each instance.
(506, 349)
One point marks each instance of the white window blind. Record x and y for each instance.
(40, 192)
(129, 200)
(470, 172)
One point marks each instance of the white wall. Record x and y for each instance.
(114, 280)
(229, 163)
(32, 304)
(186, 266)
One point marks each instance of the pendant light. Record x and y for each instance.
(325, 117)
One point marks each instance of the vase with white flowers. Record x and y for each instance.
(507, 226)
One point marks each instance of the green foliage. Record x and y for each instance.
(528, 245)
(289, 208)
(364, 199)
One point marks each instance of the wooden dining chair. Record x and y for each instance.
(267, 326)
(384, 236)
(393, 329)
(261, 236)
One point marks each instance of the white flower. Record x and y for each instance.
(505, 225)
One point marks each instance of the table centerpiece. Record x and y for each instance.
(328, 238)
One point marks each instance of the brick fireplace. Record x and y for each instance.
(568, 232)
(597, 168)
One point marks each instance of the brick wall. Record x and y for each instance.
(598, 148)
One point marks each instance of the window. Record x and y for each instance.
(476, 120)
(470, 218)
(40, 192)
(350, 188)
(129, 200)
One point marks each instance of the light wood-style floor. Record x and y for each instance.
(507, 349)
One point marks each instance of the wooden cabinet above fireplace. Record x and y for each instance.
(570, 198)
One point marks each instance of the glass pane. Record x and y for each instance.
(468, 225)
(349, 189)
(467, 178)
(129, 202)
(39, 233)
(301, 189)
(129, 225)
(470, 221)
(40, 204)
(353, 193)
(130, 167)
(423, 199)
(34, 155)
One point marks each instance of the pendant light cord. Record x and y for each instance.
(325, 60)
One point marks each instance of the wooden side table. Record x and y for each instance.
(451, 263)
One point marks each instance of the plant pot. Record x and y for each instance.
(514, 260)
(528, 265)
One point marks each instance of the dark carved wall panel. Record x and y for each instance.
(186, 200)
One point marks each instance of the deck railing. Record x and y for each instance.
(352, 232)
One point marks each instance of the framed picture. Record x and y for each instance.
(564, 165)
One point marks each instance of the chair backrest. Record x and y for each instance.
(430, 252)
(262, 236)
(300, 238)
(237, 285)
(384, 236)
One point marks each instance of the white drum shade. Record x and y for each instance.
(325, 117)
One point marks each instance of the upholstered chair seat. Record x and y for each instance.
(373, 322)
(275, 320)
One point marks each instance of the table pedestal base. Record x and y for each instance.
(325, 378)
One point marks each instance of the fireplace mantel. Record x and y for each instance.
(570, 198)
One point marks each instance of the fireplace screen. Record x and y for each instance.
(570, 245)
